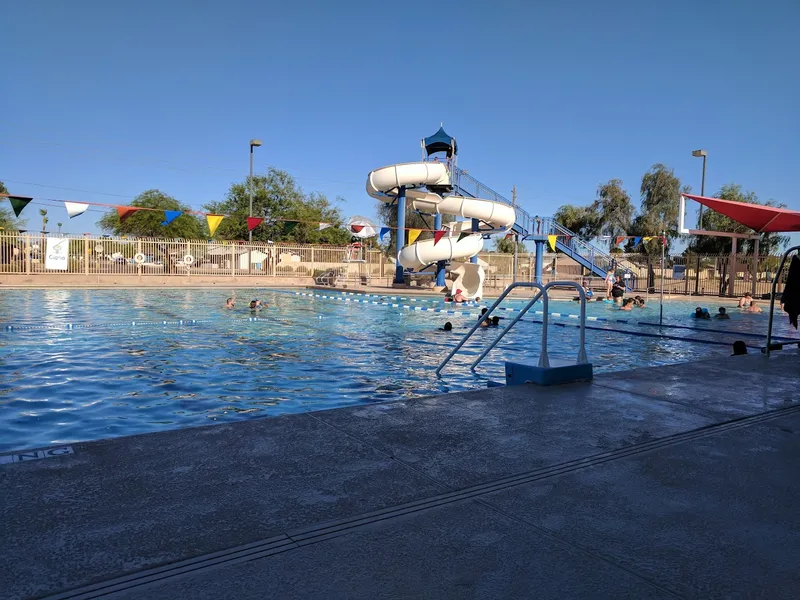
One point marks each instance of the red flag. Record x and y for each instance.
(509, 236)
(437, 235)
(125, 211)
(356, 228)
(619, 239)
(253, 222)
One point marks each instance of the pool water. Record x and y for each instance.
(138, 361)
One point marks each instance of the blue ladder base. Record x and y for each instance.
(557, 373)
(491, 383)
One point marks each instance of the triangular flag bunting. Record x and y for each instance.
(125, 211)
(551, 239)
(253, 222)
(75, 208)
(413, 234)
(18, 203)
(636, 241)
(324, 226)
(288, 226)
(663, 241)
(384, 231)
(619, 239)
(509, 236)
(647, 238)
(213, 222)
(437, 235)
(170, 216)
(462, 235)
(356, 228)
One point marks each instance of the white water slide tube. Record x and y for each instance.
(384, 184)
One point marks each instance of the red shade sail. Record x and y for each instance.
(763, 219)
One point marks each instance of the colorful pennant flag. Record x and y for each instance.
(384, 231)
(253, 222)
(462, 235)
(551, 239)
(509, 236)
(647, 238)
(619, 239)
(125, 211)
(18, 203)
(170, 216)
(636, 241)
(288, 226)
(356, 228)
(413, 234)
(75, 208)
(324, 226)
(437, 235)
(213, 222)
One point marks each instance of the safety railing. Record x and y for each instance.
(544, 359)
(578, 245)
(774, 293)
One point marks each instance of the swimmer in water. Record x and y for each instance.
(447, 327)
(745, 300)
(459, 297)
(495, 321)
(753, 308)
(722, 314)
(627, 304)
(230, 303)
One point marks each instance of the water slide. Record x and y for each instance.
(496, 217)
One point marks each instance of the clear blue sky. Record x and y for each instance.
(554, 98)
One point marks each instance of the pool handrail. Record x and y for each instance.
(518, 284)
(772, 295)
(544, 358)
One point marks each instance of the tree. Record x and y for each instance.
(661, 194)
(278, 199)
(613, 209)
(506, 246)
(582, 220)
(59, 226)
(8, 221)
(147, 223)
(43, 213)
(769, 243)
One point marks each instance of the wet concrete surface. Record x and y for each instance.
(642, 484)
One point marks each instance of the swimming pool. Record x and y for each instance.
(135, 361)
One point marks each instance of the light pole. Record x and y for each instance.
(253, 144)
(702, 153)
(699, 153)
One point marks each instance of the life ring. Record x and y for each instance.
(138, 258)
(188, 260)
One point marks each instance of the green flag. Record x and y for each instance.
(462, 235)
(18, 203)
(288, 226)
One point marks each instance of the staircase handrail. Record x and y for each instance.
(576, 243)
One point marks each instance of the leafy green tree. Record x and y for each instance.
(8, 221)
(43, 214)
(661, 194)
(506, 246)
(769, 243)
(147, 223)
(613, 209)
(582, 220)
(278, 199)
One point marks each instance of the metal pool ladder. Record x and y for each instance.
(544, 360)
(772, 296)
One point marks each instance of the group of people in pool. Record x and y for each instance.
(747, 303)
(255, 305)
(490, 322)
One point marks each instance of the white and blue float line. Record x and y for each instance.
(347, 300)
(406, 298)
(73, 326)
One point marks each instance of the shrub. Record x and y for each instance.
(284, 270)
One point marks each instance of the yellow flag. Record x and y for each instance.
(413, 234)
(551, 239)
(647, 238)
(213, 223)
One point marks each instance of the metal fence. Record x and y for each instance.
(24, 253)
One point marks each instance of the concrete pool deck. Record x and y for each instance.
(662, 482)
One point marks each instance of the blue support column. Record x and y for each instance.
(476, 226)
(400, 238)
(440, 266)
(537, 274)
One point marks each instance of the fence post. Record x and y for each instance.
(313, 266)
(85, 255)
(27, 248)
(233, 260)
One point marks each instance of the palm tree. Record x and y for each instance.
(43, 213)
(59, 227)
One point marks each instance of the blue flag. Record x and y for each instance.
(384, 231)
(636, 241)
(170, 216)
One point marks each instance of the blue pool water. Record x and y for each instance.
(106, 377)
